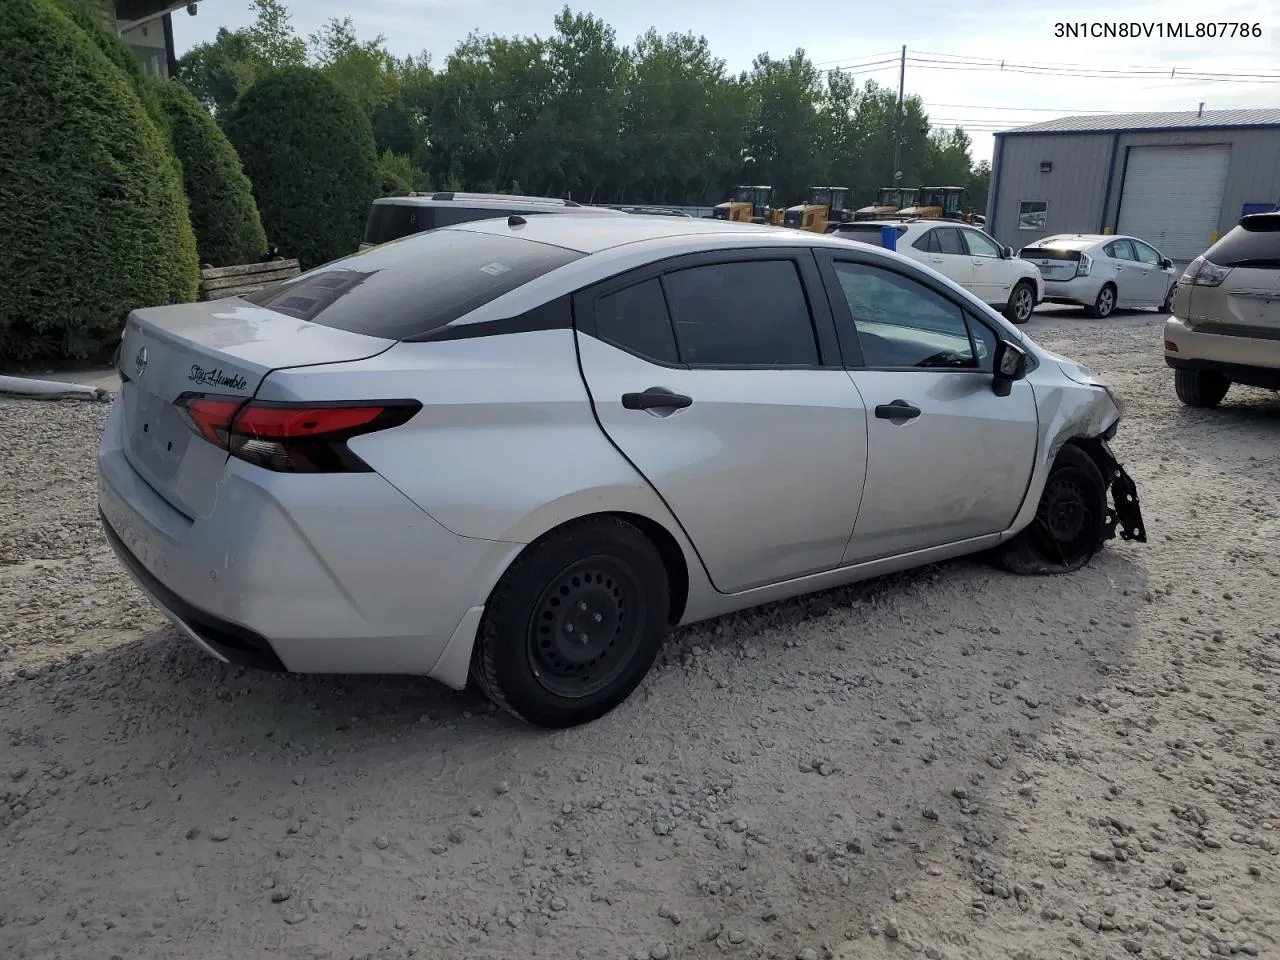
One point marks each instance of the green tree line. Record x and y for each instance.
(578, 114)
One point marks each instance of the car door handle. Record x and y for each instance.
(898, 410)
(936, 259)
(655, 398)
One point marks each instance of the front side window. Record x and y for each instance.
(903, 324)
(980, 245)
(1146, 253)
(747, 313)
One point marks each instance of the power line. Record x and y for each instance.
(1139, 68)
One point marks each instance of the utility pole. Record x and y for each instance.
(897, 127)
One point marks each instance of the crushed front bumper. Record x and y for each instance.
(1125, 515)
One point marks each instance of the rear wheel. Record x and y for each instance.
(574, 625)
(1070, 523)
(1021, 302)
(1200, 388)
(1105, 303)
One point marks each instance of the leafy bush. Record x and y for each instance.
(397, 172)
(223, 213)
(89, 19)
(93, 221)
(309, 153)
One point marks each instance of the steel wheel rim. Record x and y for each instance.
(580, 637)
(1022, 304)
(1067, 519)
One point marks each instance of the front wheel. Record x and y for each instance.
(1167, 306)
(574, 625)
(1104, 304)
(1070, 523)
(1021, 302)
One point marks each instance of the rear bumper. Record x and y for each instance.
(1081, 291)
(1247, 360)
(321, 574)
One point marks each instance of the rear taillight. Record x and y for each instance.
(1201, 273)
(1084, 265)
(292, 437)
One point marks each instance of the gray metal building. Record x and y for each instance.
(1178, 180)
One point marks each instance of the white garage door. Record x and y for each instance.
(1173, 197)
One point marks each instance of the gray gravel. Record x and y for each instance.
(949, 763)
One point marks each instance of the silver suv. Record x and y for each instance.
(1225, 326)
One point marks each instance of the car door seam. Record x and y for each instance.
(595, 415)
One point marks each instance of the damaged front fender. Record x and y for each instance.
(1125, 513)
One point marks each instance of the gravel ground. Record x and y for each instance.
(951, 763)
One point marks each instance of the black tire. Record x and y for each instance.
(1070, 524)
(1200, 388)
(1022, 300)
(1105, 304)
(1167, 306)
(596, 571)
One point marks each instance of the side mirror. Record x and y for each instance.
(1166, 263)
(1008, 253)
(1010, 366)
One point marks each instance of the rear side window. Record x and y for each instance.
(635, 319)
(405, 290)
(950, 241)
(1120, 250)
(1255, 243)
(751, 313)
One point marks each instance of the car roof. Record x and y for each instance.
(594, 234)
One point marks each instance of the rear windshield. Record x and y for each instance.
(1049, 253)
(391, 221)
(405, 290)
(1255, 242)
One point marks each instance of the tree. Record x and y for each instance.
(309, 154)
(223, 213)
(89, 19)
(978, 186)
(947, 161)
(92, 215)
(219, 72)
(785, 136)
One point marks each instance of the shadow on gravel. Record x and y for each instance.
(798, 761)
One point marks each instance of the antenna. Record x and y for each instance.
(1201, 112)
(515, 220)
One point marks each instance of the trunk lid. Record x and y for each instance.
(222, 347)
(1054, 263)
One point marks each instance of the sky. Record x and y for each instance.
(954, 50)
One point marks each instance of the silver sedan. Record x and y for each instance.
(521, 451)
(1104, 272)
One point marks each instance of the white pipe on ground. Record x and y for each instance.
(50, 389)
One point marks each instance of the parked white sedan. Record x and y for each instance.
(964, 255)
(1101, 272)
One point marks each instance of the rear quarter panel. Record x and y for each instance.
(506, 446)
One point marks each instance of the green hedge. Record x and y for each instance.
(309, 153)
(89, 19)
(223, 213)
(93, 220)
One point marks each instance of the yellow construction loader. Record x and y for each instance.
(890, 201)
(750, 204)
(825, 205)
(936, 202)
